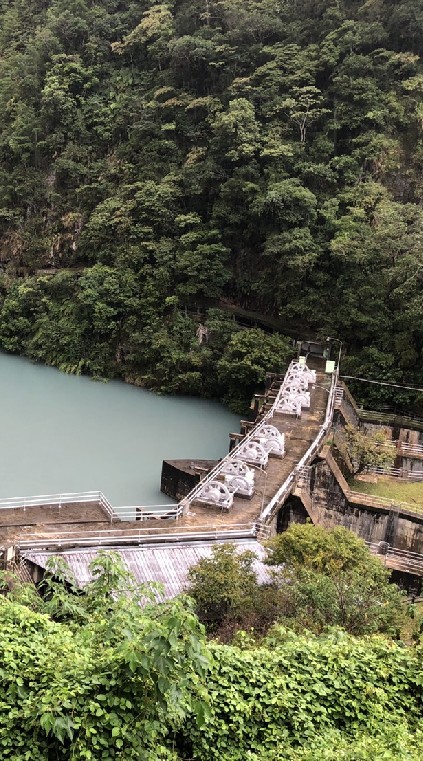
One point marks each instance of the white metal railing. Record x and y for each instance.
(393, 472)
(409, 475)
(387, 417)
(412, 560)
(193, 494)
(403, 447)
(339, 395)
(261, 530)
(133, 512)
(50, 499)
(374, 500)
(105, 504)
(140, 536)
(149, 512)
(410, 449)
(286, 487)
(57, 500)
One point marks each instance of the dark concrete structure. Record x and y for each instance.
(333, 504)
(180, 476)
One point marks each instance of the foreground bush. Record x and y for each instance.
(111, 674)
(296, 693)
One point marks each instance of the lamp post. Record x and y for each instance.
(263, 493)
(337, 340)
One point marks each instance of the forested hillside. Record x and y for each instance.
(158, 158)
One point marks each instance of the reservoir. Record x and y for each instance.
(64, 433)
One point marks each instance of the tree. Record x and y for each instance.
(329, 578)
(304, 106)
(237, 132)
(368, 450)
(318, 549)
(266, 153)
(228, 597)
(108, 673)
(249, 355)
(200, 260)
(155, 31)
(374, 364)
(97, 675)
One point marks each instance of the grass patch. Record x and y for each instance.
(393, 488)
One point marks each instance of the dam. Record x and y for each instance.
(283, 469)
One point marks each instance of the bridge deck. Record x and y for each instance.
(299, 434)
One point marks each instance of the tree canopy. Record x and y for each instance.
(96, 675)
(329, 578)
(367, 449)
(317, 579)
(160, 159)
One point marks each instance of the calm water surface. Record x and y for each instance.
(62, 433)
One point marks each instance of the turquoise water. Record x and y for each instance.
(62, 433)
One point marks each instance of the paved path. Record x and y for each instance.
(299, 434)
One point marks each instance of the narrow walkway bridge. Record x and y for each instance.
(301, 431)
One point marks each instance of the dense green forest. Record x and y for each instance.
(99, 676)
(161, 160)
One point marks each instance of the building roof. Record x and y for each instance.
(164, 563)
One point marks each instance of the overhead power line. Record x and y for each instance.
(381, 383)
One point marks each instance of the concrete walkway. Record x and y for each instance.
(299, 434)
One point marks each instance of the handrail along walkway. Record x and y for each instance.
(285, 489)
(140, 537)
(191, 496)
(94, 497)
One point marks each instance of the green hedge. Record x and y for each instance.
(299, 688)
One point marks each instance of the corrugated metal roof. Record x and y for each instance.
(167, 564)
